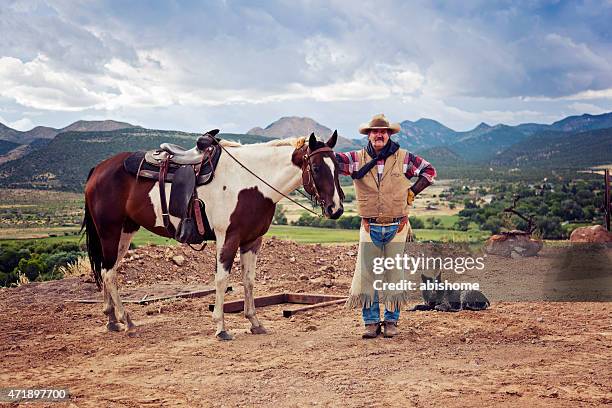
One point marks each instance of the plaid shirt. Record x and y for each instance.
(413, 165)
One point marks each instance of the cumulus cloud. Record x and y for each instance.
(434, 58)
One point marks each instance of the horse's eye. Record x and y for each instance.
(316, 168)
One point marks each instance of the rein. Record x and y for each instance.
(306, 157)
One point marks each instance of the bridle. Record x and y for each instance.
(306, 168)
(308, 181)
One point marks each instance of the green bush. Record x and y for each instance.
(37, 260)
(416, 223)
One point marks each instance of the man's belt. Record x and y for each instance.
(385, 220)
(402, 221)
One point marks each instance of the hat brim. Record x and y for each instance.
(393, 128)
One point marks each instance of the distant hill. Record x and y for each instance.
(483, 145)
(485, 142)
(558, 149)
(291, 126)
(583, 123)
(423, 134)
(9, 134)
(63, 164)
(45, 132)
(6, 146)
(441, 155)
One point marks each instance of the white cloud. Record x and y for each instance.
(581, 107)
(21, 124)
(36, 84)
(423, 59)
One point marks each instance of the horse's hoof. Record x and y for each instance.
(224, 336)
(259, 330)
(113, 327)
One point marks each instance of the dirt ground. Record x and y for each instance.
(514, 354)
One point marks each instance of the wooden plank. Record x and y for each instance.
(291, 312)
(311, 298)
(260, 301)
(145, 299)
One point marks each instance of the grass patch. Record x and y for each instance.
(306, 235)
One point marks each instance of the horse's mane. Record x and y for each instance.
(296, 142)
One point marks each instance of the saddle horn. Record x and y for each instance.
(205, 141)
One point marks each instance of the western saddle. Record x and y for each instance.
(185, 169)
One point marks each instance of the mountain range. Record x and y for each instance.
(45, 132)
(290, 126)
(64, 162)
(61, 157)
(484, 143)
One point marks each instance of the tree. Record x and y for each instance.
(570, 210)
(279, 216)
(462, 225)
(32, 267)
(550, 227)
(493, 224)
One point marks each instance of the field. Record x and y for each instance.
(517, 353)
(27, 214)
(427, 197)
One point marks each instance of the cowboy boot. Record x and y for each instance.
(371, 331)
(390, 329)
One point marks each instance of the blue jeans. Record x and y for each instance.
(372, 314)
(380, 235)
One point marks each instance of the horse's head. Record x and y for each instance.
(320, 174)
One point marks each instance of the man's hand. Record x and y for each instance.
(411, 196)
(421, 184)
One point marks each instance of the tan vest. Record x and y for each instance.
(389, 198)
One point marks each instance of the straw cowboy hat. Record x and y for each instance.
(379, 122)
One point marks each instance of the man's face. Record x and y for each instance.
(378, 138)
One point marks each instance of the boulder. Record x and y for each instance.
(178, 260)
(594, 234)
(513, 244)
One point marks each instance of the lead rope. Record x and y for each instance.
(265, 182)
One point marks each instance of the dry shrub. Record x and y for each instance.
(79, 268)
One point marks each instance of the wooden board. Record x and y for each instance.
(238, 305)
(292, 312)
(310, 298)
(277, 299)
(145, 299)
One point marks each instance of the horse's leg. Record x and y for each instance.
(248, 260)
(109, 309)
(109, 281)
(226, 250)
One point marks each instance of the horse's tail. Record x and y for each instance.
(94, 246)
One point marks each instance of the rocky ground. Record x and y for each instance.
(516, 353)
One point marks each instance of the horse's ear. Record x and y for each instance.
(332, 140)
(212, 133)
(312, 142)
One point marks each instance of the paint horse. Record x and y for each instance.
(239, 208)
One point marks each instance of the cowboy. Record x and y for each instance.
(381, 172)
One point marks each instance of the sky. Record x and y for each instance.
(234, 65)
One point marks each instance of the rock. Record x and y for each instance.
(594, 234)
(292, 259)
(178, 260)
(328, 283)
(514, 244)
(303, 277)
